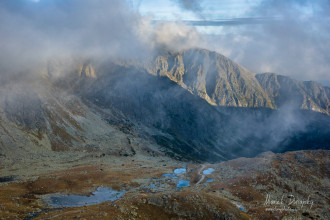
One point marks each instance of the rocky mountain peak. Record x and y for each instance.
(87, 70)
(213, 77)
(305, 95)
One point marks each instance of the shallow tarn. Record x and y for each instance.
(102, 194)
(210, 180)
(183, 183)
(208, 171)
(180, 170)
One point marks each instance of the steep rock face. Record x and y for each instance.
(327, 90)
(213, 77)
(286, 91)
(87, 70)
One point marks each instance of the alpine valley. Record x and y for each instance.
(178, 135)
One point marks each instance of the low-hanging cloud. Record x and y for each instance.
(33, 32)
(174, 35)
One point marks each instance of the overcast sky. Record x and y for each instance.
(289, 37)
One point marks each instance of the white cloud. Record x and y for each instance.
(87, 28)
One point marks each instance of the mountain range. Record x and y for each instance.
(190, 105)
(222, 82)
(187, 135)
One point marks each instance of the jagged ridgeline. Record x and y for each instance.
(191, 105)
(223, 82)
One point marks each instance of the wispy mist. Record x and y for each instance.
(33, 32)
